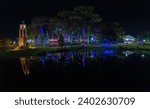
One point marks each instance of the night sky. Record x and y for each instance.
(133, 15)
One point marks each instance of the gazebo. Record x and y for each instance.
(129, 39)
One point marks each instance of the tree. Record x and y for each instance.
(57, 26)
(86, 20)
(40, 25)
(31, 33)
(61, 39)
(77, 24)
(6, 44)
(66, 29)
(112, 31)
(80, 21)
(144, 36)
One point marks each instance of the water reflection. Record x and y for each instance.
(81, 58)
(25, 65)
(127, 53)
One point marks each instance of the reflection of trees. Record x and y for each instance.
(75, 57)
(25, 65)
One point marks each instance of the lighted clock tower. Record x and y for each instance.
(22, 35)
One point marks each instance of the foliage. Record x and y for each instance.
(134, 47)
(6, 44)
(112, 31)
(76, 26)
(144, 36)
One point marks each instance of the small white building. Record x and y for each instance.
(129, 39)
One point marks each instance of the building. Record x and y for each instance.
(129, 39)
(22, 35)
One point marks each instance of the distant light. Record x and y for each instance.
(144, 40)
(51, 40)
(108, 52)
(126, 55)
(143, 55)
(92, 38)
(14, 42)
(29, 41)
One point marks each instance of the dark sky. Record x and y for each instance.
(133, 15)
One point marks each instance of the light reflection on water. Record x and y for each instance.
(83, 58)
(94, 70)
(25, 65)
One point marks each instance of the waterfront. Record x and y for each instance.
(92, 70)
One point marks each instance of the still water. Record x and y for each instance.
(95, 70)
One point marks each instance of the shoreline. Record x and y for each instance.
(41, 50)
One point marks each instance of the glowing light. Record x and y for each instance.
(29, 41)
(92, 54)
(129, 39)
(143, 55)
(25, 65)
(106, 45)
(41, 30)
(108, 52)
(22, 36)
(128, 53)
(24, 26)
(32, 47)
(53, 40)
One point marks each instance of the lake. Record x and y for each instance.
(93, 70)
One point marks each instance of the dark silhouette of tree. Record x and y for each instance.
(112, 31)
(78, 24)
(40, 26)
(144, 36)
(80, 21)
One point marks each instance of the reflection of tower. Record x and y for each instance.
(83, 58)
(25, 65)
(22, 35)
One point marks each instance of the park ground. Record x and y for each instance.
(35, 51)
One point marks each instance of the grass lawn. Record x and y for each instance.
(134, 47)
(36, 51)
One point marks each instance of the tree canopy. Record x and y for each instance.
(78, 24)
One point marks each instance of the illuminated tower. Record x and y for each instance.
(22, 35)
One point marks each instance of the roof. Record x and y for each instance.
(129, 37)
